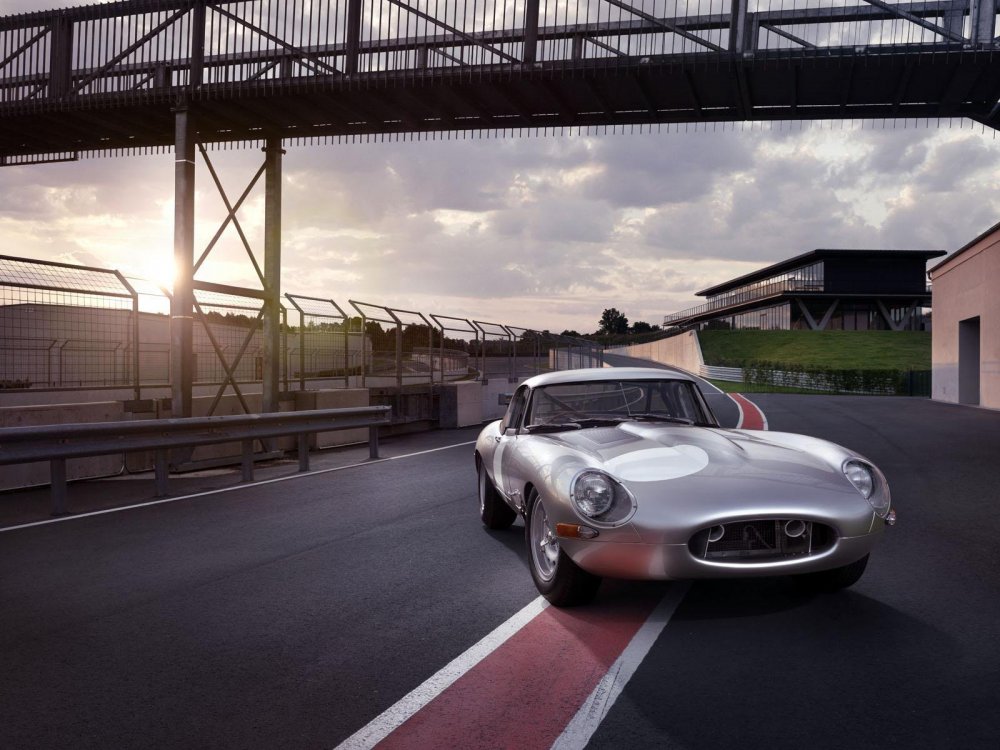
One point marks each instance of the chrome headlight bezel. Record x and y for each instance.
(619, 510)
(877, 487)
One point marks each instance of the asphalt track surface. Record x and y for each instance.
(291, 614)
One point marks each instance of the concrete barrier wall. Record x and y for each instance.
(34, 474)
(332, 399)
(682, 350)
(566, 359)
(460, 404)
(491, 392)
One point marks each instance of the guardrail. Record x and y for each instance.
(57, 443)
(729, 374)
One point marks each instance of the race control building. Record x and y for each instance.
(842, 290)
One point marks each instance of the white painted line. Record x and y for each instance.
(594, 710)
(393, 717)
(231, 488)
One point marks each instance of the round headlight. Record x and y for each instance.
(861, 476)
(593, 493)
(869, 481)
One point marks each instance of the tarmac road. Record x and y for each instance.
(291, 614)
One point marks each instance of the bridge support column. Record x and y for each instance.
(983, 14)
(182, 301)
(739, 37)
(529, 55)
(272, 274)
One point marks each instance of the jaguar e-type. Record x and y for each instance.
(625, 473)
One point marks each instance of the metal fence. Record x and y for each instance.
(76, 327)
(65, 326)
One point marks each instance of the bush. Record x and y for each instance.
(763, 374)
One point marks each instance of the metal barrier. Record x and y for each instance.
(57, 443)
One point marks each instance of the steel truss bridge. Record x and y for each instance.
(156, 74)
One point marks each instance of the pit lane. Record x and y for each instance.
(291, 614)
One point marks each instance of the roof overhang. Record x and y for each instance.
(814, 256)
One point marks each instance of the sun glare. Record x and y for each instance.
(159, 270)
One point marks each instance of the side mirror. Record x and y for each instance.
(504, 399)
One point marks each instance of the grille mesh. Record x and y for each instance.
(761, 540)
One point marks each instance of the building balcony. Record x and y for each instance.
(742, 297)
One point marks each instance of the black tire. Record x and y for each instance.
(496, 514)
(557, 577)
(837, 578)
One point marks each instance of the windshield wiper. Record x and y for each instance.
(577, 424)
(552, 427)
(661, 418)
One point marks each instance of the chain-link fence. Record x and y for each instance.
(75, 327)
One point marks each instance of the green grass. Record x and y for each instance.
(843, 350)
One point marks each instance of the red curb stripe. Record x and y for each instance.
(753, 417)
(525, 693)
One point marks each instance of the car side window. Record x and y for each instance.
(515, 410)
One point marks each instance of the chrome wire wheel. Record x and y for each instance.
(544, 544)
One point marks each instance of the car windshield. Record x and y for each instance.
(574, 405)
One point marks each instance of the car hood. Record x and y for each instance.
(640, 454)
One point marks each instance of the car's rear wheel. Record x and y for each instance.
(557, 577)
(496, 514)
(837, 578)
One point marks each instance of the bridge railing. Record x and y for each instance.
(146, 50)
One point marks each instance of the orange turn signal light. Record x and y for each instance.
(575, 531)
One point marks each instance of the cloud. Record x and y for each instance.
(535, 232)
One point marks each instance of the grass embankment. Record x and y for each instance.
(840, 350)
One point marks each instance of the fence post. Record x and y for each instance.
(373, 442)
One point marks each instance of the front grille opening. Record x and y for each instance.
(762, 541)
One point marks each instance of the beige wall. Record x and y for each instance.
(37, 473)
(683, 351)
(967, 286)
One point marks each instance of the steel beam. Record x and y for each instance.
(530, 31)
(182, 301)
(353, 41)
(272, 273)
(60, 57)
(983, 20)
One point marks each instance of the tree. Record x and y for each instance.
(641, 326)
(612, 321)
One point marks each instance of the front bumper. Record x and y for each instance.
(616, 559)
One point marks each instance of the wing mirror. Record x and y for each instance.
(504, 399)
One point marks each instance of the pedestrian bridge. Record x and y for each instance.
(110, 77)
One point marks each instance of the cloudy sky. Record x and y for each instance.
(536, 232)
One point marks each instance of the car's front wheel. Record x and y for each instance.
(557, 577)
(494, 512)
(837, 578)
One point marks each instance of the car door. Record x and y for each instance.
(503, 456)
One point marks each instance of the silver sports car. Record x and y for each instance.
(625, 473)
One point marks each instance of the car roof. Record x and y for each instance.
(597, 374)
